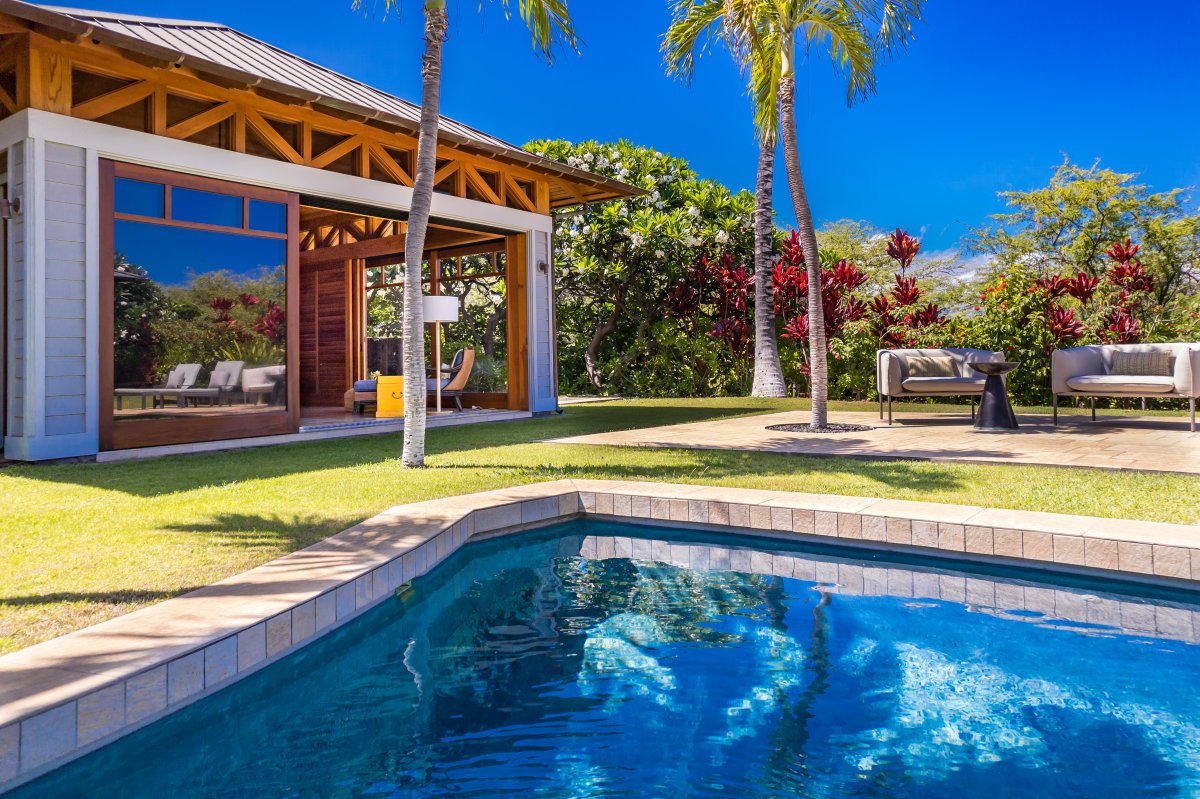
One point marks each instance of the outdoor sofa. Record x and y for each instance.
(1127, 371)
(929, 373)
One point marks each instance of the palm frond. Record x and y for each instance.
(694, 24)
(549, 21)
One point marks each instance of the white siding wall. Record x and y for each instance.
(17, 290)
(66, 290)
(544, 394)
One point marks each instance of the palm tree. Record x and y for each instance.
(679, 45)
(550, 22)
(857, 34)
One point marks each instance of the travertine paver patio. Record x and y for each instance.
(1147, 443)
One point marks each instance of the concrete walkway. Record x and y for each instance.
(1149, 443)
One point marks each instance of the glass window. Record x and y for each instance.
(199, 322)
(139, 197)
(267, 216)
(206, 207)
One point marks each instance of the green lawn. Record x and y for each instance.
(81, 543)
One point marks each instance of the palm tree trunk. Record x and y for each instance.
(414, 245)
(817, 356)
(768, 375)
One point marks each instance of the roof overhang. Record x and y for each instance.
(582, 186)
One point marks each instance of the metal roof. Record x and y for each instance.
(220, 50)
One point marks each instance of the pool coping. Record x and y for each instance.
(66, 697)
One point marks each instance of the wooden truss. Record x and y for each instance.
(98, 82)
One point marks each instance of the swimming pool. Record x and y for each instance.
(594, 659)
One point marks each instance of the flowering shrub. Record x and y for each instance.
(1028, 316)
(856, 326)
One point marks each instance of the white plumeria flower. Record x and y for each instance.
(589, 157)
(693, 211)
(659, 254)
(722, 237)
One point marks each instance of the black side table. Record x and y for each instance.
(995, 411)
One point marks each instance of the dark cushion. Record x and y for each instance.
(364, 385)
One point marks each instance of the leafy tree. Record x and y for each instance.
(1068, 225)
(550, 22)
(619, 260)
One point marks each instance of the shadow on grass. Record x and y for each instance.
(183, 473)
(255, 530)
(728, 465)
(93, 597)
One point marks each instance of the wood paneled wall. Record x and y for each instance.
(325, 331)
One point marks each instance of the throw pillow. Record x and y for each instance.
(931, 366)
(1152, 363)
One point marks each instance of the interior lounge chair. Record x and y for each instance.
(455, 379)
(222, 385)
(929, 373)
(182, 376)
(1127, 371)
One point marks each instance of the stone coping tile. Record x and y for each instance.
(925, 511)
(128, 671)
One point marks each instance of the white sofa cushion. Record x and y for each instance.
(1123, 384)
(944, 385)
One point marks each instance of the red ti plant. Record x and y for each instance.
(1083, 287)
(902, 248)
(271, 325)
(905, 292)
(1123, 253)
(1055, 285)
(1122, 328)
(682, 301)
(1064, 327)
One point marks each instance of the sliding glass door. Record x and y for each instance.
(198, 280)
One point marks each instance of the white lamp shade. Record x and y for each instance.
(440, 309)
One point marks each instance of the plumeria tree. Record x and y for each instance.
(617, 262)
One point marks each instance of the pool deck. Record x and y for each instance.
(71, 695)
(1141, 443)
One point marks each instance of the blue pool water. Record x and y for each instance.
(592, 660)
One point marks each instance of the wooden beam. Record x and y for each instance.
(50, 81)
(113, 101)
(476, 181)
(202, 121)
(384, 161)
(8, 101)
(445, 172)
(335, 152)
(515, 192)
(268, 134)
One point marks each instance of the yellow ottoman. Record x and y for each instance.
(389, 398)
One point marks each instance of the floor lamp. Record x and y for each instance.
(437, 310)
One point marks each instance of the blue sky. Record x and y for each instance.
(989, 97)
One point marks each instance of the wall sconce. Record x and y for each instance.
(9, 208)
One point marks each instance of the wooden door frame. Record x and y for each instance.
(160, 432)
